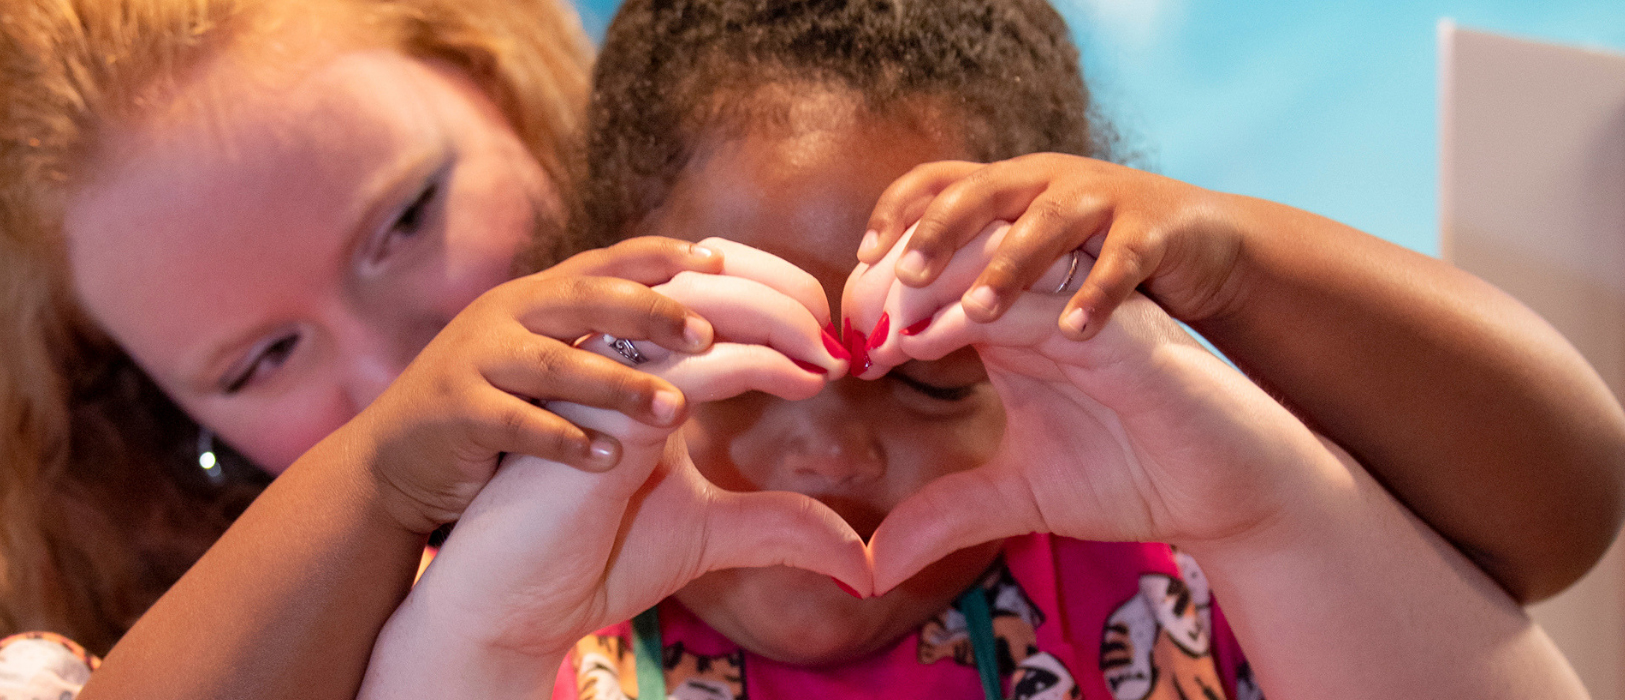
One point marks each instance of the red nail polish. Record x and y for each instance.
(810, 367)
(846, 330)
(858, 345)
(831, 330)
(849, 590)
(917, 328)
(877, 337)
(833, 345)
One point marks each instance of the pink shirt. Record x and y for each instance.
(1074, 619)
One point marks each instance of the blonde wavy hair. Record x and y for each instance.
(102, 505)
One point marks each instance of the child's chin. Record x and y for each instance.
(799, 617)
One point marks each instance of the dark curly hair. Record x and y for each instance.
(1002, 75)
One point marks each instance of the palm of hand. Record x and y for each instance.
(1137, 434)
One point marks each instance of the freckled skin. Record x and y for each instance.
(805, 193)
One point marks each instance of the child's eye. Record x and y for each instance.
(940, 393)
(262, 362)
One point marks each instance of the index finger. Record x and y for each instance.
(647, 260)
(904, 201)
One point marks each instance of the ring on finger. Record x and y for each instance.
(626, 349)
(1071, 271)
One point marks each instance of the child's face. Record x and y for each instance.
(805, 193)
(273, 245)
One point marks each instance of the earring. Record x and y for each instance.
(206, 457)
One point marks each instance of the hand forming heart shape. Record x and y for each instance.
(602, 547)
(1130, 436)
(1138, 434)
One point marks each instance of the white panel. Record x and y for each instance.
(1532, 199)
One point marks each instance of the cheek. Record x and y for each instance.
(493, 217)
(272, 434)
(920, 451)
(715, 428)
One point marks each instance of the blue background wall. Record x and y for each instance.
(1326, 106)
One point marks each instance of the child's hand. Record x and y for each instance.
(478, 389)
(547, 553)
(1138, 435)
(1144, 229)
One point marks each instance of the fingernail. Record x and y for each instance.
(833, 345)
(602, 450)
(810, 367)
(664, 405)
(871, 240)
(849, 590)
(858, 345)
(877, 337)
(912, 264)
(1074, 321)
(984, 297)
(917, 328)
(701, 252)
(694, 332)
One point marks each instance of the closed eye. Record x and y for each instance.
(261, 363)
(410, 221)
(411, 218)
(940, 393)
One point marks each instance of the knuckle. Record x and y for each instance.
(545, 358)
(980, 178)
(579, 289)
(634, 390)
(662, 314)
(1049, 211)
(1002, 270)
(559, 443)
(513, 422)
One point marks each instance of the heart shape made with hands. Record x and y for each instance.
(1128, 436)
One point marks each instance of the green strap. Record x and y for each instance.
(646, 647)
(979, 621)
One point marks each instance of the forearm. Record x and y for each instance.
(1473, 410)
(1352, 597)
(286, 604)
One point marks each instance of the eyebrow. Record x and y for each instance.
(380, 200)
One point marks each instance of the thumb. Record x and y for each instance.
(780, 528)
(951, 513)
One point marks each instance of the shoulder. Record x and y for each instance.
(43, 666)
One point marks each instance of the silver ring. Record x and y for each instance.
(625, 348)
(1071, 270)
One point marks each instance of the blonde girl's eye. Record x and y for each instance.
(411, 221)
(261, 362)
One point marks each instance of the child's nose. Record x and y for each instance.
(834, 458)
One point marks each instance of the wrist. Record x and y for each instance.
(434, 651)
(1306, 514)
(1220, 230)
(355, 448)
